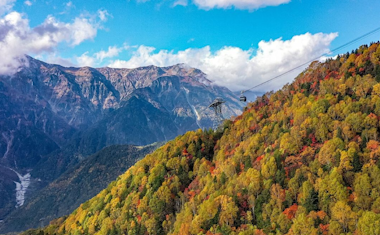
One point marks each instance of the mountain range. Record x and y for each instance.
(53, 117)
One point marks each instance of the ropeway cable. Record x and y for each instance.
(316, 58)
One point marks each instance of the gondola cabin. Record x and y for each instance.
(243, 98)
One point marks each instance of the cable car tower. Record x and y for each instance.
(217, 106)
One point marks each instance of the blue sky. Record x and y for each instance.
(221, 37)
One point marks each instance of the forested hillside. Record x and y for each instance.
(302, 160)
(75, 186)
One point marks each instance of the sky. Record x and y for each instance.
(237, 43)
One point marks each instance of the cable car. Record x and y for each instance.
(243, 98)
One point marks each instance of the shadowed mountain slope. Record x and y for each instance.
(75, 186)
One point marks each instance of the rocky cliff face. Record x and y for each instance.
(52, 117)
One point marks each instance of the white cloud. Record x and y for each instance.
(112, 52)
(28, 3)
(5, 6)
(103, 15)
(56, 59)
(82, 29)
(69, 4)
(97, 58)
(239, 4)
(238, 69)
(17, 38)
(67, 7)
(51, 32)
(180, 3)
(86, 60)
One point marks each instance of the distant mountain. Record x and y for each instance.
(168, 105)
(302, 160)
(53, 117)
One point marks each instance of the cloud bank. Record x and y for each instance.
(17, 38)
(236, 68)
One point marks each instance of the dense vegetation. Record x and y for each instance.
(75, 186)
(303, 160)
